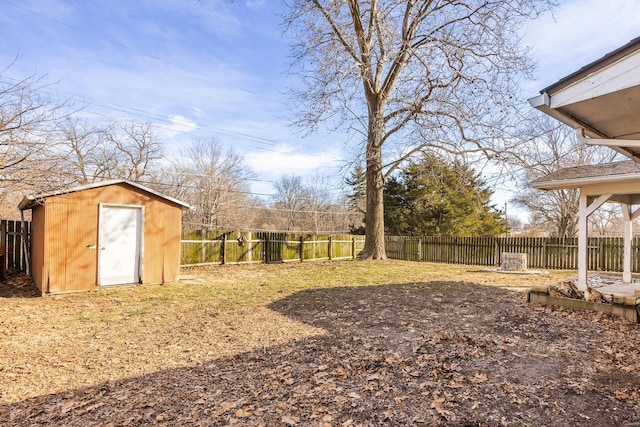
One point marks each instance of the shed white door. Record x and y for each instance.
(120, 234)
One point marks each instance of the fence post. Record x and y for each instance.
(11, 259)
(202, 245)
(249, 247)
(266, 249)
(353, 248)
(419, 249)
(301, 248)
(330, 252)
(223, 248)
(403, 251)
(17, 246)
(3, 241)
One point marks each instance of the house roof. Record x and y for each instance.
(575, 177)
(603, 98)
(30, 202)
(594, 66)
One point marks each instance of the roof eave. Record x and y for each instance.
(568, 184)
(27, 203)
(30, 202)
(598, 64)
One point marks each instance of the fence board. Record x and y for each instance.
(207, 247)
(12, 234)
(603, 253)
(201, 247)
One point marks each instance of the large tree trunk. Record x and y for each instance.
(374, 226)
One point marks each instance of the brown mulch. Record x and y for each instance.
(18, 285)
(449, 353)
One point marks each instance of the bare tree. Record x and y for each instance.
(319, 202)
(412, 75)
(27, 117)
(606, 221)
(79, 152)
(87, 152)
(130, 151)
(214, 181)
(552, 146)
(292, 197)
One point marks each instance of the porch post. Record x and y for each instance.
(584, 210)
(628, 232)
(582, 241)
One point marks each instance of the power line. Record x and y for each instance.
(139, 111)
(152, 116)
(226, 190)
(116, 43)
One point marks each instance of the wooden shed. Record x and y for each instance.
(107, 233)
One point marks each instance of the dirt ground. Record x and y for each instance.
(424, 353)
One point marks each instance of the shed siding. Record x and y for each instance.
(172, 234)
(37, 245)
(72, 236)
(55, 244)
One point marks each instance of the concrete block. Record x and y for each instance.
(513, 261)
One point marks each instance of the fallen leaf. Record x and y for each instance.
(67, 406)
(290, 420)
(479, 377)
(399, 399)
(438, 405)
(620, 395)
(244, 412)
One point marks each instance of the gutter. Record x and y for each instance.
(579, 182)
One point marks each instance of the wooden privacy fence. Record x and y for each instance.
(604, 253)
(209, 247)
(15, 236)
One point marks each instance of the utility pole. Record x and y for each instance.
(506, 221)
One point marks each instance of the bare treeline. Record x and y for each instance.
(46, 145)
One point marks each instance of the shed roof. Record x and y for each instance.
(575, 177)
(603, 98)
(30, 202)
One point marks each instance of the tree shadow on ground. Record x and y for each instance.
(414, 354)
(18, 285)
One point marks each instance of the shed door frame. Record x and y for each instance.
(140, 238)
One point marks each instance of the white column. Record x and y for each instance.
(582, 242)
(584, 210)
(628, 232)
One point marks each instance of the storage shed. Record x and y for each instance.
(106, 233)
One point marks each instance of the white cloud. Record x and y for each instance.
(180, 124)
(289, 160)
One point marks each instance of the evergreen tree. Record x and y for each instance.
(357, 199)
(431, 196)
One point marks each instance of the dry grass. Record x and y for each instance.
(75, 340)
(344, 343)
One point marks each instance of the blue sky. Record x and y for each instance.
(214, 68)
